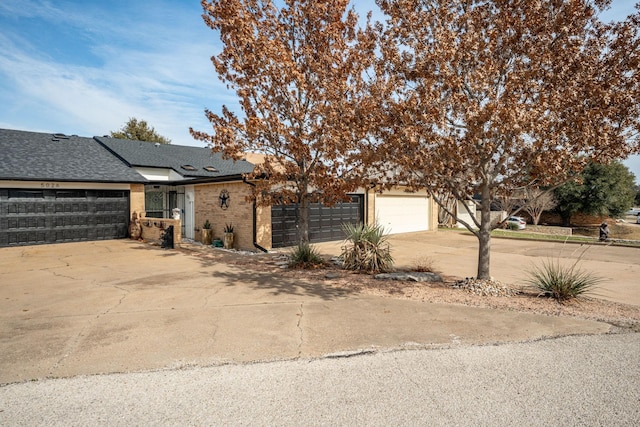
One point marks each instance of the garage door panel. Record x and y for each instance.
(51, 216)
(325, 223)
(403, 214)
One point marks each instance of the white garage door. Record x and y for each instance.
(403, 214)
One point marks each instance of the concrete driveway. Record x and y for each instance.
(118, 306)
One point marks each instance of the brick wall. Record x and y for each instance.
(154, 228)
(136, 199)
(578, 219)
(263, 226)
(370, 206)
(433, 214)
(239, 213)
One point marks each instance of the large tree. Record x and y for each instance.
(298, 69)
(538, 201)
(489, 97)
(139, 130)
(600, 190)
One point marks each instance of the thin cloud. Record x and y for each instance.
(157, 71)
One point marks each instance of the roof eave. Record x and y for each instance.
(205, 180)
(98, 181)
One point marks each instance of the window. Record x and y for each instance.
(26, 194)
(71, 194)
(154, 204)
(111, 194)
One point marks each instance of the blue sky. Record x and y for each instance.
(86, 66)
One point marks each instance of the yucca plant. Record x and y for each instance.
(562, 282)
(305, 256)
(366, 248)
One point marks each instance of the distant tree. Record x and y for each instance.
(569, 197)
(488, 97)
(636, 201)
(600, 190)
(139, 130)
(298, 71)
(537, 202)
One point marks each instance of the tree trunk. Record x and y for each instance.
(536, 218)
(303, 220)
(484, 237)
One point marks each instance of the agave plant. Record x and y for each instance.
(562, 282)
(366, 248)
(305, 256)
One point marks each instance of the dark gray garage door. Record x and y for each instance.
(29, 217)
(325, 223)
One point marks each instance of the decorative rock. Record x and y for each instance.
(337, 261)
(412, 277)
(485, 287)
(332, 275)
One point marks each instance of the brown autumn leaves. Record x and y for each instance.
(451, 97)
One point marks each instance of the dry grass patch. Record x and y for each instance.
(424, 264)
(624, 231)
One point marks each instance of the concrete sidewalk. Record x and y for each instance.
(118, 306)
(565, 382)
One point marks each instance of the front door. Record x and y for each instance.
(189, 213)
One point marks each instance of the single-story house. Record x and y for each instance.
(58, 188)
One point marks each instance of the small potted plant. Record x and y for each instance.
(207, 233)
(228, 236)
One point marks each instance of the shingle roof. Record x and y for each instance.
(43, 156)
(147, 154)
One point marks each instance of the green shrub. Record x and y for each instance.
(562, 282)
(305, 256)
(366, 249)
(512, 226)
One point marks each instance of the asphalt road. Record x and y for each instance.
(580, 380)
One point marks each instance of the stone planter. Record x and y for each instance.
(207, 235)
(135, 228)
(227, 240)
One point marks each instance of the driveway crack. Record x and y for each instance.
(75, 343)
(300, 330)
(124, 295)
(209, 295)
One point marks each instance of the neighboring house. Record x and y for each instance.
(156, 179)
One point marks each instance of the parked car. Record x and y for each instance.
(633, 211)
(516, 222)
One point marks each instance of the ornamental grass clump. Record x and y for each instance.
(424, 265)
(366, 249)
(562, 282)
(305, 256)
